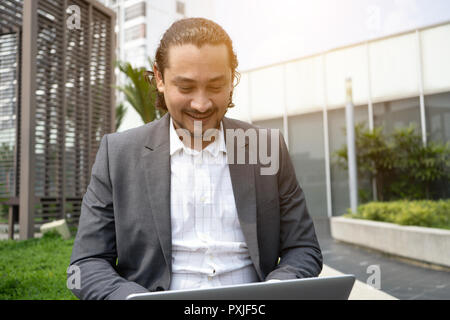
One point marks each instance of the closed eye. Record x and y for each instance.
(185, 89)
(215, 89)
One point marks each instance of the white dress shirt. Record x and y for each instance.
(208, 246)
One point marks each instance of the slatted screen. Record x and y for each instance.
(49, 144)
(101, 74)
(73, 97)
(10, 23)
(78, 93)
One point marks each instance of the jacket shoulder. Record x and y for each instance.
(238, 124)
(138, 136)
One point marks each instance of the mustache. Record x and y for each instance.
(196, 113)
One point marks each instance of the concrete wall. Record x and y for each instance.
(428, 245)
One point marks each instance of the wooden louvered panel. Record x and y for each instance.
(68, 102)
(77, 114)
(11, 16)
(100, 91)
(11, 13)
(49, 135)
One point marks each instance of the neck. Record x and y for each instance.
(198, 142)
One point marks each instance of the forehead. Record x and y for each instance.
(190, 60)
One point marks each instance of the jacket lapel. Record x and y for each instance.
(156, 168)
(243, 182)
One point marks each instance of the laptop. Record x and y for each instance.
(323, 288)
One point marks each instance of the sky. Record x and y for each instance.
(268, 31)
(265, 32)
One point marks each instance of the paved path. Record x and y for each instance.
(399, 279)
(360, 290)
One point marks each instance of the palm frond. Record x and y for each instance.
(138, 93)
(120, 114)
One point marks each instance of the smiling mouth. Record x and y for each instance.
(200, 116)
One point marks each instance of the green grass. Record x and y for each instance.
(35, 269)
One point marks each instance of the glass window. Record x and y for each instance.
(271, 124)
(134, 11)
(306, 146)
(437, 111)
(340, 195)
(397, 114)
(180, 8)
(135, 32)
(137, 56)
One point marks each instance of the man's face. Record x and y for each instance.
(197, 85)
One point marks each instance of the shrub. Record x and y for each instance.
(424, 213)
(403, 168)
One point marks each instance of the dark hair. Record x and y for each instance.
(197, 31)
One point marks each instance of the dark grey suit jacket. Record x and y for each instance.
(123, 244)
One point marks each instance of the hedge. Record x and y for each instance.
(424, 213)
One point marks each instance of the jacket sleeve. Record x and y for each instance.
(300, 253)
(94, 249)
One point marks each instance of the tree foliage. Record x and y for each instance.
(120, 114)
(138, 93)
(402, 166)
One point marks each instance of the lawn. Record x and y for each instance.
(35, 269)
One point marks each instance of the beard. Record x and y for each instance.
(199, 130)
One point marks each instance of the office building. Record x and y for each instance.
(139, 28)
(397, 80)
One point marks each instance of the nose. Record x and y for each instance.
(201, 103)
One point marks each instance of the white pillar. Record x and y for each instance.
(326, 140)
(351, 148)
(285, 110)
(370, 110)
(421, 94)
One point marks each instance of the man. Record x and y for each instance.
(163, 212)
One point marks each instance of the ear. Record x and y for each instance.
(159, 79)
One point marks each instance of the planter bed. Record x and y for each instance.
(429, 245)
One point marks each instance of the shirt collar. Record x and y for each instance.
(175, 143)
(213, 148)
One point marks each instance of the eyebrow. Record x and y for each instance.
(179, 79)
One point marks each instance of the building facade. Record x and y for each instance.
(139, 28)
(56, 103)
(398, 80)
